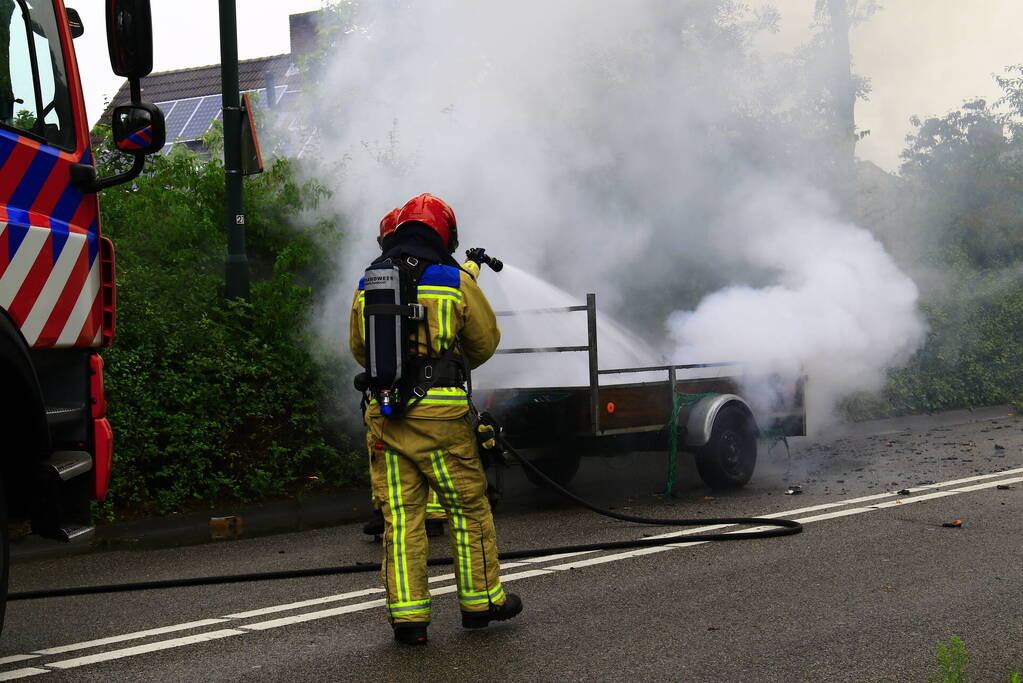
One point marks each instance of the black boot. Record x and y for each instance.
(411, 632)
(434, 527)
(512, 606)
(374, 526)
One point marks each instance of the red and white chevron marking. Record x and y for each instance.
(55, 304)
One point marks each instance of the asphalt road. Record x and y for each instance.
(864, 594)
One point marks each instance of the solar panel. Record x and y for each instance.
(201, 119)
(178, 116)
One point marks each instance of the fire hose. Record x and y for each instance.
(780, 527)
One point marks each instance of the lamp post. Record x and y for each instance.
(237, 266)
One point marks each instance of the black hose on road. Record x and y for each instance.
(782, 527)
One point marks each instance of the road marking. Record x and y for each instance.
(129, 636)
(339, 597)
(21, 673)
(989, 484)
(142, 649)
(877, 502)
(305, 603)
(16, 658)
(361, 606)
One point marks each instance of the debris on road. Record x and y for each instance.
(905, 492)
(794, 490)
(1004, 487)
(953, 525)
(999, 447)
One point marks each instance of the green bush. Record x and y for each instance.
(214, 401)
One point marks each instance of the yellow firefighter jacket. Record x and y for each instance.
(456, 309)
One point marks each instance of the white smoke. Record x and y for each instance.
(639, 150)
(838, 310)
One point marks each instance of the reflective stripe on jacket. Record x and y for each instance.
(456, 309)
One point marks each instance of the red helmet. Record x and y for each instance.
(388, 223)
(434, 212)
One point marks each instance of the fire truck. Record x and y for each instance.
(57, 296)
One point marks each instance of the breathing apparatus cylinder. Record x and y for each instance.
(390, 309)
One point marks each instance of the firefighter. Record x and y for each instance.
(435, 514)
(431, 443)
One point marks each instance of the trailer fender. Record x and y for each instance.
(700, 422)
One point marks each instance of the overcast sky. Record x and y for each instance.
(923, 57)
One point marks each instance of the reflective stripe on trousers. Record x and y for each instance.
(416, 456)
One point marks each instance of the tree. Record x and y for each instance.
(213, 401)
(841, 89)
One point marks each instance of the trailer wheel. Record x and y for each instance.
(558, 463)
(728, 459)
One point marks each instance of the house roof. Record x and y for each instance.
(181, 84)
(191, 98)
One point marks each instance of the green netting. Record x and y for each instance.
(678, 401)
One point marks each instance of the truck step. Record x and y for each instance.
(69, 464)
(59, 415)
(77, 534)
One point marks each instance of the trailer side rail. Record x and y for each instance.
(591, 350)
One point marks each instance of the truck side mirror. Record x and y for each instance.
(138, 128)
(74, 22)
(130, 37)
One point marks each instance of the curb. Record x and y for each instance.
(236, 522)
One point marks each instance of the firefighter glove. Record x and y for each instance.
(477, 255)
(486, 437)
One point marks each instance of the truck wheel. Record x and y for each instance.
(728, 459)
(5, 554)
(557, 463)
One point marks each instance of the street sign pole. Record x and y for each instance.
(237, 267)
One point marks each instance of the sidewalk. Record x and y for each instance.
(241, 521)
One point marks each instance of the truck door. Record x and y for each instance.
(49, 231)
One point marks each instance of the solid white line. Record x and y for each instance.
(16, 658)
(551, 558)
(361, 606)
(833, 515)
(988, 485)
(612, 558)
(310, 616)
(21, 673)
(915, 499)
(129, 636)
(304, 603)
(142, 649)
(979, 477)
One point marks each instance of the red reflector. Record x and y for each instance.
(103, 457)
(108, 291)
(96, 390)
(610, 407)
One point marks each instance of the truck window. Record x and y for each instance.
(34, 97)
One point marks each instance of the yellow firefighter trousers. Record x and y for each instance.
(434, 510)
(408, 458)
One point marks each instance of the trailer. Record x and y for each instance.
(706, 415)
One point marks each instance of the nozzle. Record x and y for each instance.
(495, 264)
